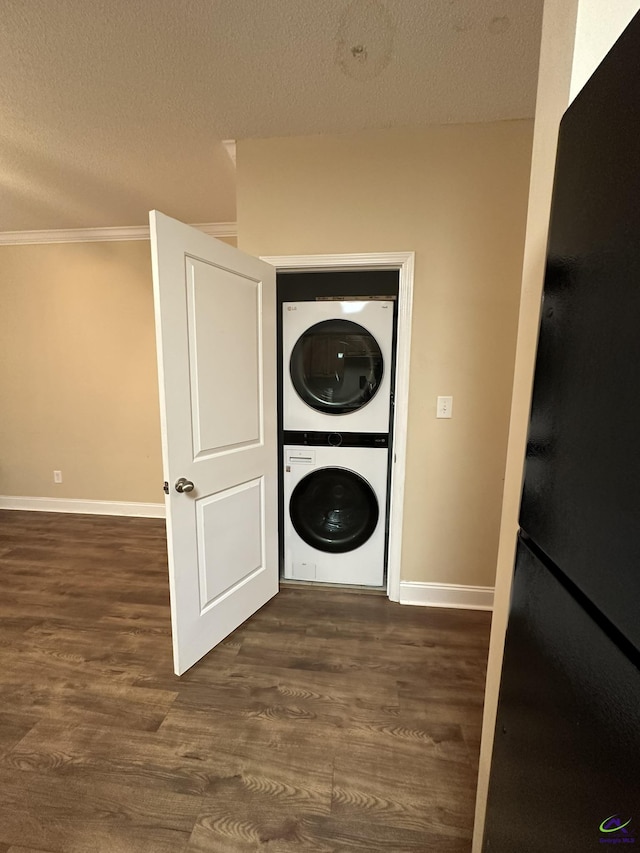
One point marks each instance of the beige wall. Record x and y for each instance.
(457, 195)
(78, 380)
(576, 34)
(78, 373)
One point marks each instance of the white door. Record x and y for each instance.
(216, 341)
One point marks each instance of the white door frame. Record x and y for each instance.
(404, 263)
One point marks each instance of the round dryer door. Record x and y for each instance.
(336, 366)
(334, 510)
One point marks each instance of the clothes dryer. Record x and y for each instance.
(335, 510)
(337, 358)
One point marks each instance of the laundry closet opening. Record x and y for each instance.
(337, 333)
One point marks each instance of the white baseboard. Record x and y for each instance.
(446, 595)
(139, 510)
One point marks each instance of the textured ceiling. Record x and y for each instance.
(111, 107)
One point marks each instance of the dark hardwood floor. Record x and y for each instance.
(328, 722)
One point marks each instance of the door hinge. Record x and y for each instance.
(166, 488)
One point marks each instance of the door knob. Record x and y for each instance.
(184, 485)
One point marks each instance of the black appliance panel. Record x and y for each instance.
(336, 366)
(335, 439)
(567, 739)
(334, 510)
(581, 499)
(337, 284)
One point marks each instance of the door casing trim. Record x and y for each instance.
(403, 262)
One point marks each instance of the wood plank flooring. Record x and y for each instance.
(328, 722)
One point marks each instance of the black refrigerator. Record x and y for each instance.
(565, 774)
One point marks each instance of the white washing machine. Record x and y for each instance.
(336, 364)
(335, 502)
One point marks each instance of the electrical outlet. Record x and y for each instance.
(444, 408)
(57, 476)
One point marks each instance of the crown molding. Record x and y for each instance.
(101, 235)
(230, 148)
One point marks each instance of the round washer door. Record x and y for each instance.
(336, 366)
(334, 510)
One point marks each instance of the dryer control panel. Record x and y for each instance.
(336, 439)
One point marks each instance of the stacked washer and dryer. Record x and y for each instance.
(336, 397)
